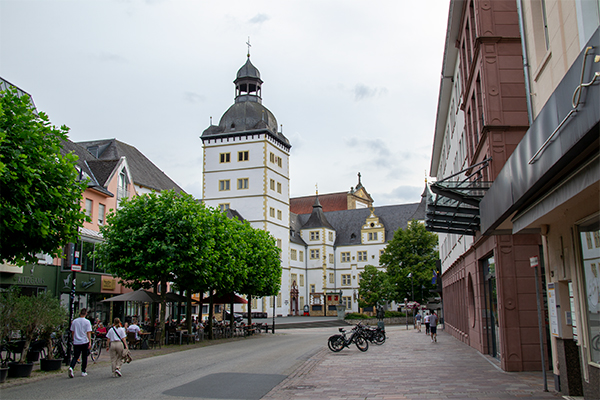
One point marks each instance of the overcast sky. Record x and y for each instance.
(354, 83)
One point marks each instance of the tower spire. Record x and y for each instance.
(249, 45)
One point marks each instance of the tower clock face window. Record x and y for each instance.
(243, 155)
(225, 157)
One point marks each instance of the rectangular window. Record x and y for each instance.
(596, 238)
(271, 212)
(224, 185)
(300, 255)
(330, 258)
(88, 208)
(314, 235)
(313, 288)
(279, 300)
(362, 255)
(380, 253)
(101, 213)
(331, 236)
(272, 184)
(279, 215)
(278, 187)
(346, 280)
(243, 155)
(372, 235)
(331, 277)
(301, 301)
(301, 280)
(272, 157)
(279, 161)
(279, 243)
(225, 157)
(243, 183)
(293, 254)
(347, 301)
(314, 254)
(294, 279)
(345, 256)
(224, 206)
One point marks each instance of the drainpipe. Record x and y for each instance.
(525, 62)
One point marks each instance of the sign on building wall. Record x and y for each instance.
(554, 325)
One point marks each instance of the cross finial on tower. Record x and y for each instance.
(249, 45)
(359, 178)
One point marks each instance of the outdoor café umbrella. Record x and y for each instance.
(139, 295)
(229, 298)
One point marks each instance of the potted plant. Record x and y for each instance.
(7, 307)
(54, 317)
(31, 313)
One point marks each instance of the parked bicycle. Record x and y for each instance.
(373, 335)
(97, 344)
(338, 342)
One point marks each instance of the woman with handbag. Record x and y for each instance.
(116, 346)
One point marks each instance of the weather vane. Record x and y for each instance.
(249, 45)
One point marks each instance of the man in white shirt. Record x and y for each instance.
(134, 328)
(81, 328)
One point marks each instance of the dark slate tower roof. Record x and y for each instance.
(317, 218)
(247, 116)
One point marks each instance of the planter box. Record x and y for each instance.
(16, 370)
(3, 374)
(50, 365)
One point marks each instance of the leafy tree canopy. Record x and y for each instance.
(40, 199)
(412, 251)
(374, 287)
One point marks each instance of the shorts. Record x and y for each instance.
(433, 329)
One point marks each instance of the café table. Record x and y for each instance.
(144, 336)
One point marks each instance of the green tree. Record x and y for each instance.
(150, 237)
(40, 199)
(374, 287)
(263, 264)
(410, 260)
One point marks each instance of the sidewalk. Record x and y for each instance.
(408, 366)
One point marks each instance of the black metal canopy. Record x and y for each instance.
(454, 205)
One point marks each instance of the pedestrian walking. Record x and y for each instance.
(81, 329)
(116, 344)
(433, 319)
(418, 319)
(426, 321)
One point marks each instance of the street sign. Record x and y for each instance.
(75, 267)
(533, 262)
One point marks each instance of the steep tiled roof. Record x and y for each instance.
(143, 171)
(348, 223)
(317, 218)
(329, 202)
(85, 158)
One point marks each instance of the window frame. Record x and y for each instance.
(224, 185)
(243, 183)
(243, 155)
(224, 158)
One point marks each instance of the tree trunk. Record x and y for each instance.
(163, 305)
(249, 309)
(153, 308)
(188, 314)
(210, 314)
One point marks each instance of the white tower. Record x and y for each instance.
(246, 166)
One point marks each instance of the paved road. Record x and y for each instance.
(242, 369)
(296, 364)
(408, 366)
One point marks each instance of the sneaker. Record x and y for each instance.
(84, 374)
(70, 372)
(118, 373)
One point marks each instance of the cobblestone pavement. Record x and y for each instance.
(408, 366)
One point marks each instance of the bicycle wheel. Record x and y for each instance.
(96, 350)
(361, 343)
(379, 338)
(335, 343)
